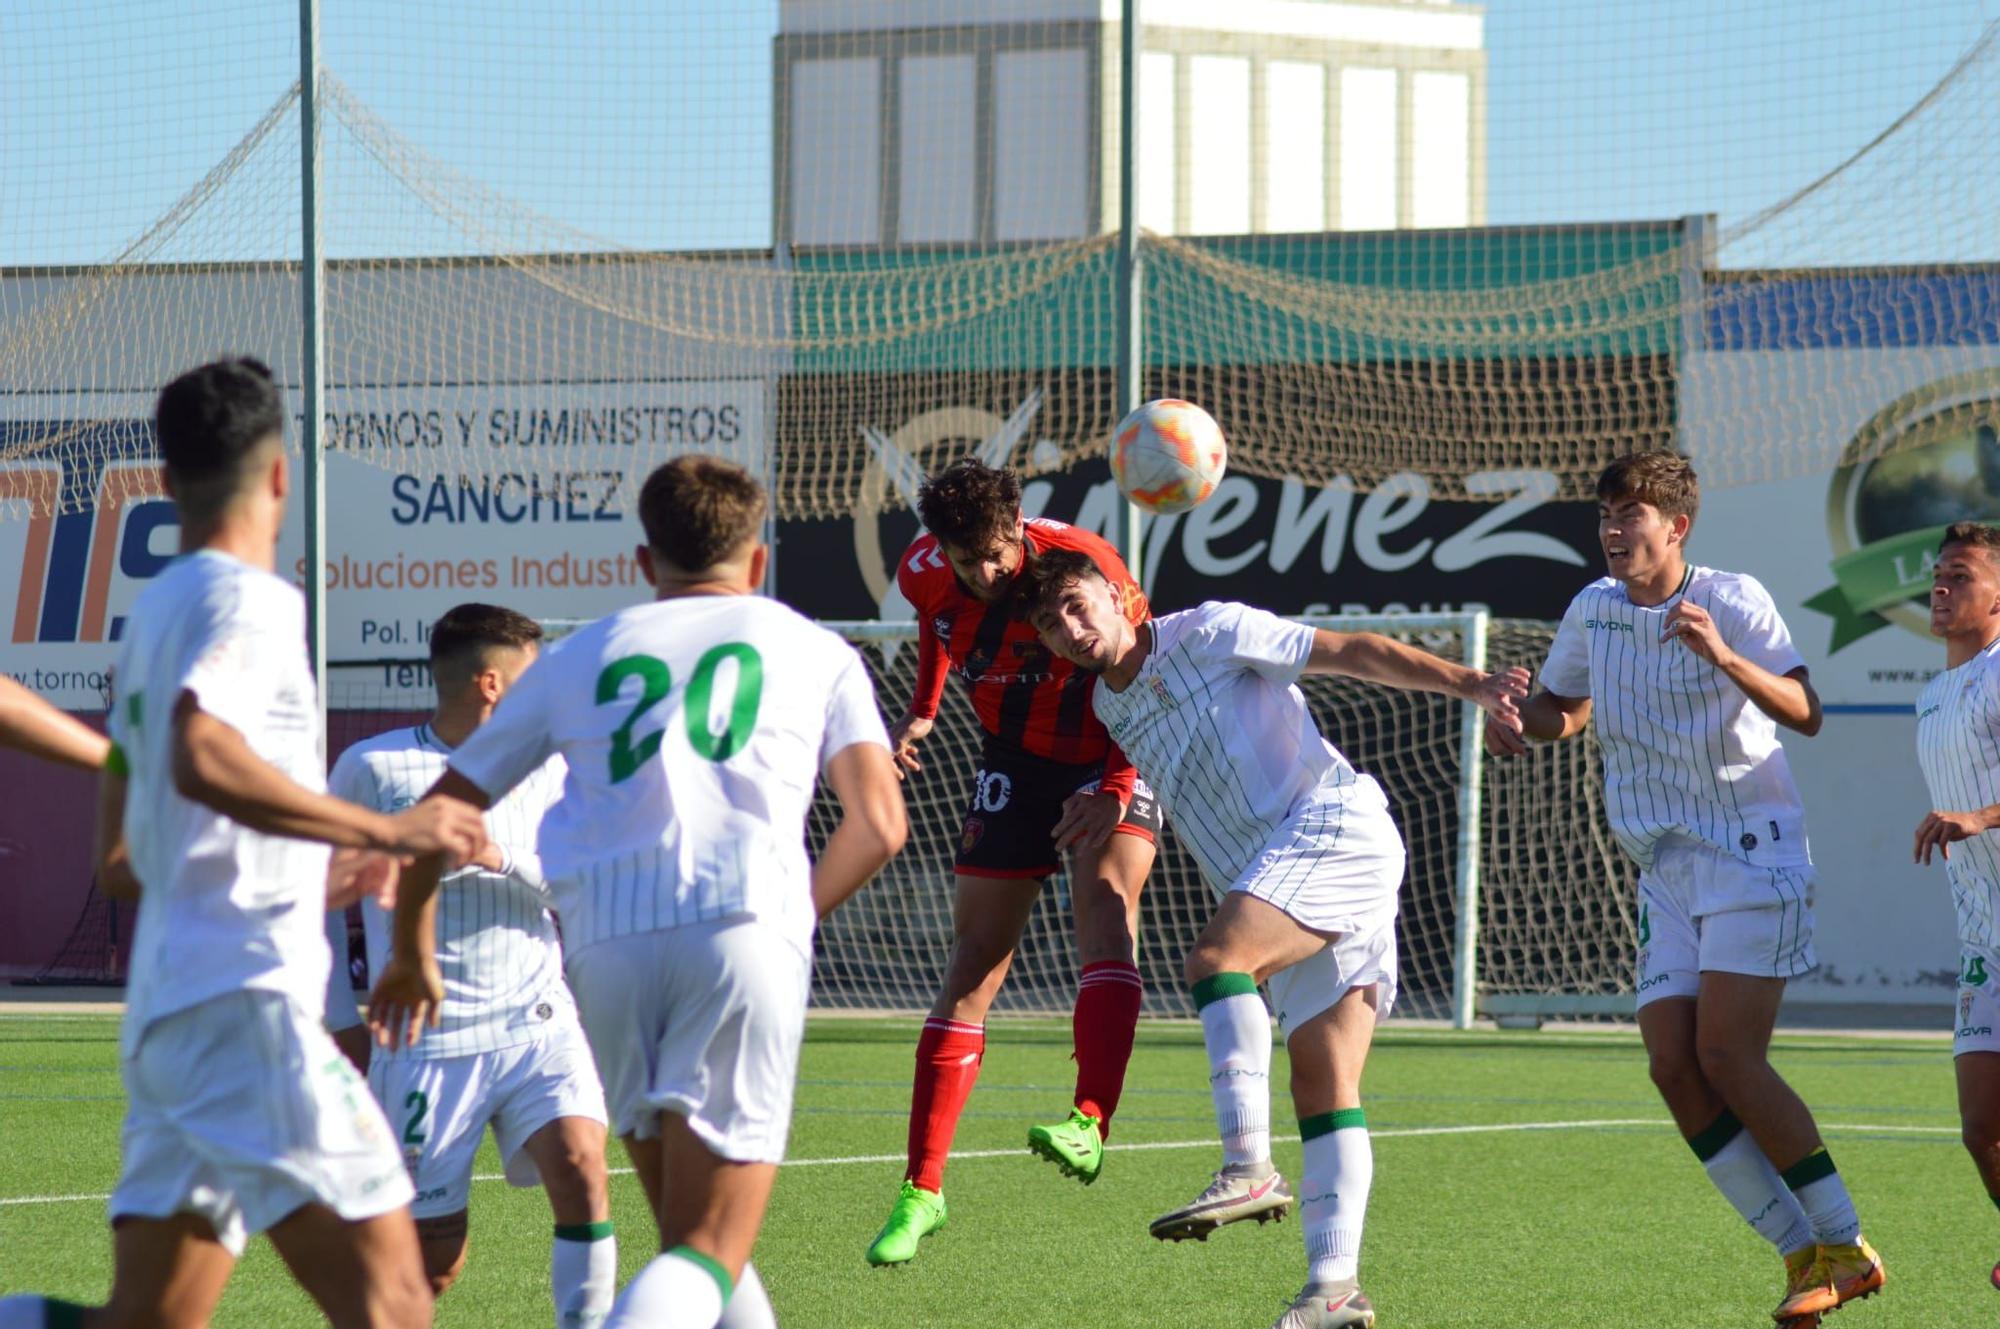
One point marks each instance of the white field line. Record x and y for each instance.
(1404, 1132)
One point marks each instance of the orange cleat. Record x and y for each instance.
(1836, 1276)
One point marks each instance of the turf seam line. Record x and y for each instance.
(1401, 1132)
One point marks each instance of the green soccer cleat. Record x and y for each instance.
(1075, 1145)
(917, 1214)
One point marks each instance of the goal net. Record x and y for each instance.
(1521, 841)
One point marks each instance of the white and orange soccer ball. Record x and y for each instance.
(1168, 455)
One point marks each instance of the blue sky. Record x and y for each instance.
(648, 123)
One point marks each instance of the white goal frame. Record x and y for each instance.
(1471, 628)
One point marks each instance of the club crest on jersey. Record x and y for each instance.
(973, 832)
(941, 625)
(1964, 1007)
(1162, 691)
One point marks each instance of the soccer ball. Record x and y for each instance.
(1168, 455)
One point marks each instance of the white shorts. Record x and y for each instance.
(243, 1111)
(440, 1108)
(1978, 1009)
(1677, 943)
(704, 1021)
(1315, 984)
(1334, 867)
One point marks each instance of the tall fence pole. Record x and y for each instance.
(312, 348)
(1131, 349)
(1471, 819)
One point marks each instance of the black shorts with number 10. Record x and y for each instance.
(1016, 801)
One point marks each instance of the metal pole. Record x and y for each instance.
(312, 358)
(1471, 768)
(1131, 377)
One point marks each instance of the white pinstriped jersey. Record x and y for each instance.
(1685, 751)
(1958, 745)
(497, 948)
(694, 729)
(225, 908)
(1216, 724)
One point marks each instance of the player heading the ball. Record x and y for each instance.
(1049, 780)
(693, 729)
(1688, 672)
(1306, 861)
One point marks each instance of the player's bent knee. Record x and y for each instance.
(1676, 1075)
(1980, 1133)
(1728, 1068)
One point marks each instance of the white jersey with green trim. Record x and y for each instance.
(694, 730)
(1214, 721)
(224, 908)
(1958, 745)
(1685, 751)
(497, 947)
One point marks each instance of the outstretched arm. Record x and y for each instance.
(1545, 717)
(1374, 658)
(39, 729)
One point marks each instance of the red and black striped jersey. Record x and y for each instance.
(1025, 695)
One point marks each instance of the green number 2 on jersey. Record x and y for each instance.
(656, 681)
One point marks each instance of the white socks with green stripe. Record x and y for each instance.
(1751, 1185)
(680, 1289)
(1333, 1192)
(583, 1269)
(1237, 1030)
(1823, 1196)
(749, 1307)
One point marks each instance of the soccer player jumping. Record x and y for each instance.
(1958, 722)
(1688, 672)
(1307, 860)
(1048, 780)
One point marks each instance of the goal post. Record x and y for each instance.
(1515, 903)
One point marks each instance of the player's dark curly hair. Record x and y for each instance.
(1048, 575)
(967, 504)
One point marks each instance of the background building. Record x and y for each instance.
(935, 122)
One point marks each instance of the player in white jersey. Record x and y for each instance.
(1958, 745)
(694, 728)
(242, 1116)
(508, 1050)
(1688, 672)
(1306, 860)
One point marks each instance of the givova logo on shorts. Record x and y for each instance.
(991, 790)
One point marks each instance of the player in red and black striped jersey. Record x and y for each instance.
(1049, 780)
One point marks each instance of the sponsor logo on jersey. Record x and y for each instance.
(941, 625)
(1606, 625)
(1653, 982)
(1927, 712)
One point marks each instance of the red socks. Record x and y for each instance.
(1107, 1015)
(948, 1054)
